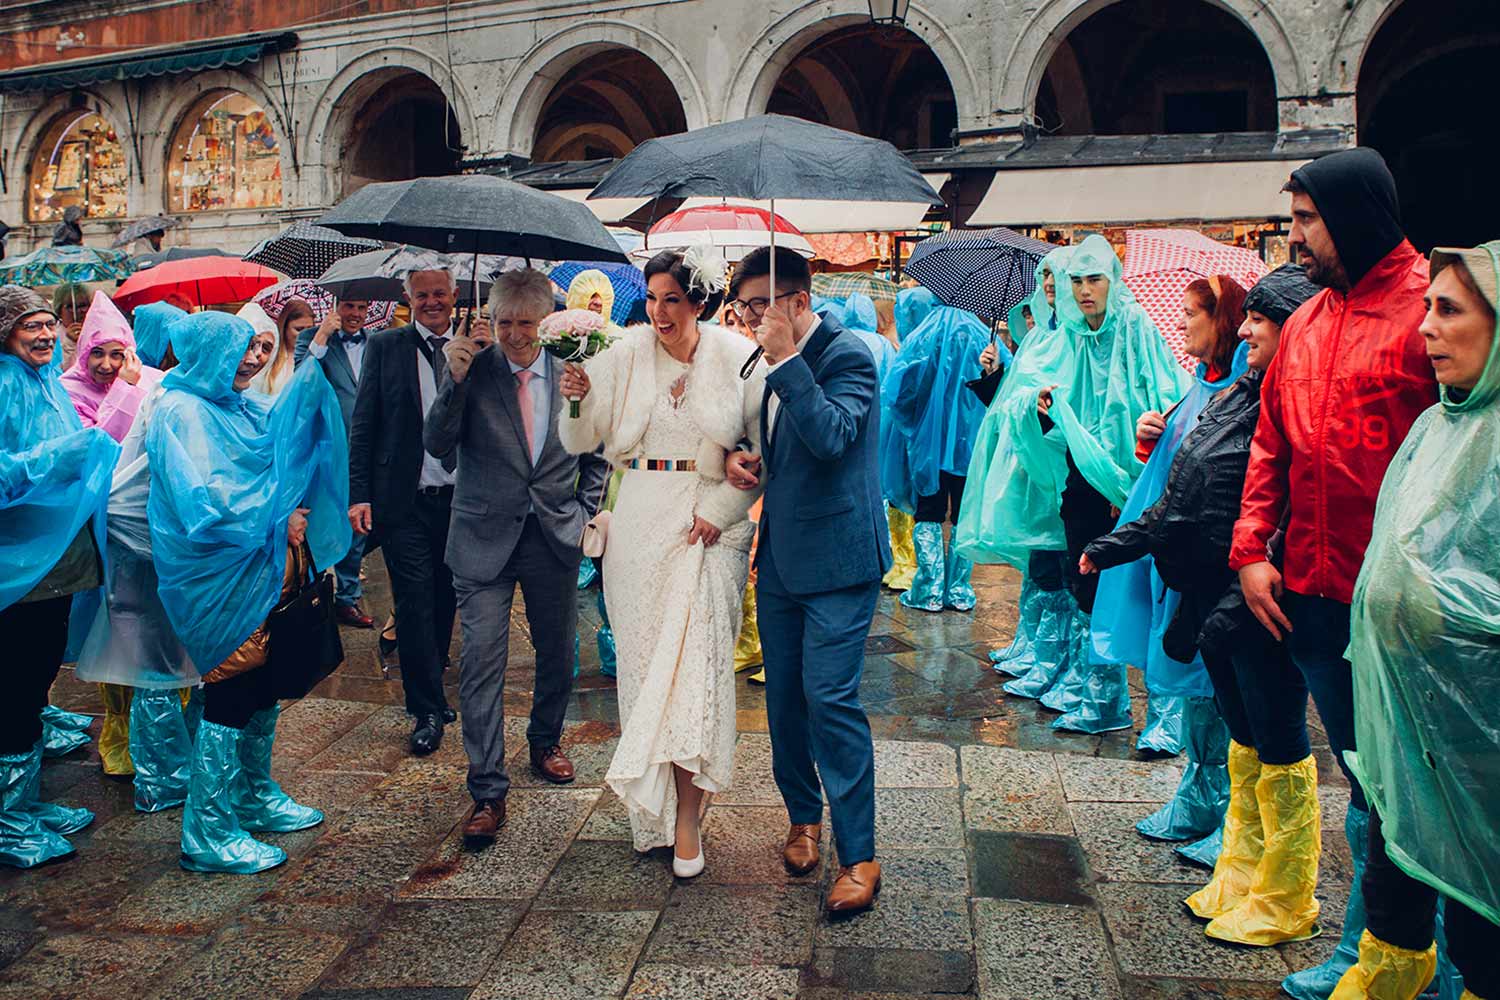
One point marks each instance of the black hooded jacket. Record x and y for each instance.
(1356, 196)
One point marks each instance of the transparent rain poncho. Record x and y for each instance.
(1016, 474)
(151, 322)
(1425, 646)
(227, 471)
(933, 418)
(859, 318)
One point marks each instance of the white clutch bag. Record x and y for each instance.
(595, 535)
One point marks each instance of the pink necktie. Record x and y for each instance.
(523, 398)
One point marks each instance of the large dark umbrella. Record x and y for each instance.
(769, 158)
(142, 228)
(154, 257)
(306, 250)
(986, 272)
(377, 275)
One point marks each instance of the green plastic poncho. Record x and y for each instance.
(1016, 473)
(1425, 646)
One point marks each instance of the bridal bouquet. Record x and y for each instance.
(574, 335)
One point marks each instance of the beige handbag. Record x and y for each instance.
(596, 532)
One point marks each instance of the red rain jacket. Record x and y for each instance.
(1350, 377)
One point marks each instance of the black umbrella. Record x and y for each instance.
(306, 250)
(986, 272)
(376, 276)
(143, 227)
(145, 260)
(766, 158)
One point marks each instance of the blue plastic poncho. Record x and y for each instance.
(54, 475)
(1122, 369)
(150, 323)
(860, 319)
(1016, 476)
(227, 470)
(934, 419)
(1134, 607)
(912, 307)
(1425, 645)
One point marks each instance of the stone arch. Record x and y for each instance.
(344, 96)
(1026, 63)
(526, 90)
(779, 45)
(1357, 30)
(44, 115)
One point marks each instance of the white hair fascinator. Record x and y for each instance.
(708, 271)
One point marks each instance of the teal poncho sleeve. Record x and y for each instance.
(1425, 648)
(54, 476)
(227, 471)
(1016, 473)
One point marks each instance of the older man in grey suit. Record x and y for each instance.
(519, 506)
(338, 344)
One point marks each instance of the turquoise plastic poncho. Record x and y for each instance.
(933, 418)
(861, 320)
(1122, 370)
(227, 470)
(1425, 647)
(54, 475)
(1016, 475)
(912, 307)
(150, 323)
(1134, 607)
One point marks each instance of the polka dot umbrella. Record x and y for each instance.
(986, 272)
(306, 250)
(1161, 263)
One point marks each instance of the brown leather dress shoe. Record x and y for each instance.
(484, 822)
(353, 616)
(800, 855)
(855, 888)
(552, 764)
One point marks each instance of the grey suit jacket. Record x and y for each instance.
(476, 426)
(341, 374)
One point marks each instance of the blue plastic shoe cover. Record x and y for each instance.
(160, 748)
(212, 838)
(24, 841)
(960, 590)
(1196, 809)
(927, 587)
(1051, 643)
(1163, 730)
(258, 800)
(57, 818)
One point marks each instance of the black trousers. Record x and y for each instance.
(33, 636)
(1262, 696)
(942, 505)
(1086, 515)
(422, 585)
(1403, 912)
(231, 702)
(1048, 570)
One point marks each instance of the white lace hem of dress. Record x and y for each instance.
(652, 794)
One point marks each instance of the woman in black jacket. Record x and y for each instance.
(1261, 892)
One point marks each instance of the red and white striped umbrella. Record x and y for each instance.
(1161, 263)
(733, 229)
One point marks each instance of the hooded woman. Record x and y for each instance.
(1425, 630)
(54, 486)
(274, 377)
(592, 290)
(107, 384)
(1261, 892)
(151, 323)
(1122, 370)
(1011, 494)
(238, 485)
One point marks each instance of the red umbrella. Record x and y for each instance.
(1161, 263)
(203, 281)
(733, 229)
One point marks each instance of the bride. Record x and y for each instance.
(667, 403)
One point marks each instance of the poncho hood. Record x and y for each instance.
(912, 307)
(586, 285)
(1356, 196)
(1483, 263)
(859, 313)
(103, 324)
(209, 346)
(151, 324)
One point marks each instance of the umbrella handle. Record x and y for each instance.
(748, 368)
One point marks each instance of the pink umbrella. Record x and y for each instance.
(274, 299)
(1161, 263)
(733, 229)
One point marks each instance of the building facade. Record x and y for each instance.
(239, 116)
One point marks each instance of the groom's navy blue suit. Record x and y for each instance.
(822, 553)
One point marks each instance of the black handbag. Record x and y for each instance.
(304, 645)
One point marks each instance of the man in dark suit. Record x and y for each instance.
(519, 508)
(399, 490)
(822, 553)
(338, 344)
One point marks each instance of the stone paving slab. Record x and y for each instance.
(567, 956)
(735, 925)
(742, 846)
(428, 943)
(253, 962)
(182, 902)
(1155, 935)
(93, 966)
(915, 765)
(1092, 779)
(1038, 951)
(1116, 852)
(607, 875)
(753, 784)
(918, 817)
(1013, 790)
(679, 982)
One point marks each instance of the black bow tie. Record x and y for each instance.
(353, 338)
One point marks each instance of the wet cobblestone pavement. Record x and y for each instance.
(1012, 871)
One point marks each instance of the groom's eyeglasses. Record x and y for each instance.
(756, 307)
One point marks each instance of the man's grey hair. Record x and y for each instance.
(406, 281)
(524, 293)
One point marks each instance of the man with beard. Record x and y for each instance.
(1350, 378)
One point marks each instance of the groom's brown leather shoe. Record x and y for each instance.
(855, 888)
(800, 855)
(484, 822)
(552, 764)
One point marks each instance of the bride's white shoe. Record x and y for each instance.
(688, 867)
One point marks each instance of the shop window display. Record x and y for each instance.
(225, 156)
(79, 162)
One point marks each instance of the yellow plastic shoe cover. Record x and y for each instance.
(747, 652)
(1280, 905)
(1244, 839)
(903, 551)
(1385, 972)
(114, 735)
(1467, 995)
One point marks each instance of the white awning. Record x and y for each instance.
(1165, 192)
(835, 216)
(937, 181)
(605, 209)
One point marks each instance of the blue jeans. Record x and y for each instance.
(1319, 636)
(1261, 696)
(347, 570)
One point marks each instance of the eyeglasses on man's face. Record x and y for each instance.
(756, 307)
(39, 326)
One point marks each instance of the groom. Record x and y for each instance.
(822, 553)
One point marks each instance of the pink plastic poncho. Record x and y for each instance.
(111, 407)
